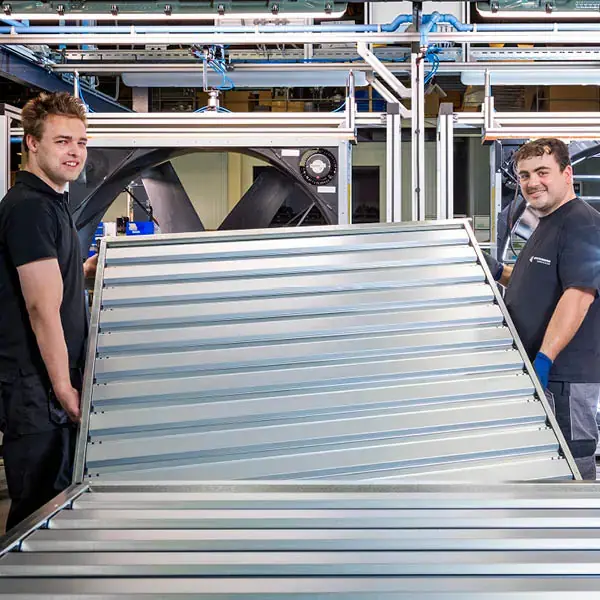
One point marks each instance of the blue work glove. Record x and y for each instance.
(542, 365)
(496, 267)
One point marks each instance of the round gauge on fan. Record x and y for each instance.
(318, 167)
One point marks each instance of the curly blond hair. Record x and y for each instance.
(38, 109)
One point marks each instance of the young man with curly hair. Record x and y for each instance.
(43, 317)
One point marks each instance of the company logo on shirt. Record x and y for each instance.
(540, 260)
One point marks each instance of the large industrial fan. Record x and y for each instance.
(300, 180)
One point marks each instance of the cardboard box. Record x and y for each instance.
(235, 96)
(279, 106)
(295, 106)
(473, 98)
(573, 98)
(238, 107)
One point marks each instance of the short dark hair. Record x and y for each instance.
(38, 109)
(552, 146)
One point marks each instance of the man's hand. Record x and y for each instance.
(90, 266)
(500, 272)
(68, 397)
(542, 365)
(495, 266)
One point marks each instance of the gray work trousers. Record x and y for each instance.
(575, 406)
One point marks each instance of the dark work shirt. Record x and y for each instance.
(35, 224)
(563, 252)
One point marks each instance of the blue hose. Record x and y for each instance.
(458, 25)
(393, 26)
(429, 25)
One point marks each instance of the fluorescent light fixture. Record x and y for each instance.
(248, 79)
(532, 76)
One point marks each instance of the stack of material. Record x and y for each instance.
(267, 541)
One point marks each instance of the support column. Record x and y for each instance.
(495, 196)
(393, 205)
(344, 183)
(396, 111)
(418, 136)
(445, 162)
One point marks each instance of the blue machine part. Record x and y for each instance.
(95, 245)
(140, 228)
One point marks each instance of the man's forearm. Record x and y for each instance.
(566, 320)
(50, 337)
(506, 273)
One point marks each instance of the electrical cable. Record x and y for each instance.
(145, 209)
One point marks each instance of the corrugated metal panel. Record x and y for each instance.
(305, 541)
(372, 352)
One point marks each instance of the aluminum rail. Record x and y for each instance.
(235, 130)
(363, 352)
(144, 39)
(395, 67)
(303, 541)
(519, 125)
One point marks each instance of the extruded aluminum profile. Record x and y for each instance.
(363, 352)
(309, 540)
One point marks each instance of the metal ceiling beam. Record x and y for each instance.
(142, 39)
(444, 67)
(24, 72)
(561, 53)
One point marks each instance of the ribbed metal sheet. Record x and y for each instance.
(279, 540)
(371, 352)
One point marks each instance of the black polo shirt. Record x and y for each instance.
(563, 252)
(35, 223)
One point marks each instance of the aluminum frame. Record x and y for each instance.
(151, 130)
(231, 130)
(445, 163)
(417, 125)
(256, 316)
